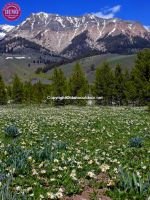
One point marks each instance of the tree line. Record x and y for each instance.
(114, 86)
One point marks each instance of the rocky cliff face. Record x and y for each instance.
(75, 37)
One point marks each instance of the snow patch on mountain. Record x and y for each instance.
(147, 28)
(4, 29)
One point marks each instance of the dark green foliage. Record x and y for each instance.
(2, 177)
(104, 84)
(59, 86)
(58, 145)
(17, 90)
(124, 88)
(37, 92)
(9, 92)
(39, 70)
(12, 131)
(18, 158)
(3, 92)
(149, 107)
(130, 91)
(133, 183)
(136, 142)
(119, 84)
(78, 82)
(7, 194)
(28, 92)
(141, 76)
(78, 85)
(49, 152)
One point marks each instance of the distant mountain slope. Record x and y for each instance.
(89, 64)
(23, 66)
(26, 67)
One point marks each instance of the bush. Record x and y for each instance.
(136, 142)
(130, 182)
(6, 192)
(130, 186)
(18, 158)
(12, 131)
(149, 107)
(49, 150)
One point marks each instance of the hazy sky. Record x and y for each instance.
(137, 10)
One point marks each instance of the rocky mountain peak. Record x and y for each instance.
(62, 34)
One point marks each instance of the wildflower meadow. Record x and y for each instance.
(74, 153)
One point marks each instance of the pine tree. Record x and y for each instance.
(38, 92)
(130, 92)
(119, 83)
(78, 85)
(58, 86)
(28, 92)
(9, 92)
(17, 90)
(141, 76)
(48, 92)
(3, 92)
(104, 84)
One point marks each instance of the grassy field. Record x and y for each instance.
(74, 153)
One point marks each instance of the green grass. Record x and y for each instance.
(126, 62)
(9, 67)
(60, 150)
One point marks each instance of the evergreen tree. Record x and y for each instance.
(17, 90)
(9, 92)
(38, 92)
(78, 85)
(3, 92)
(149, 106)
(58, 86)
(141, 76)
(48, 92)
(130, 91)
(28, 92)
(119, 83)
(104, 84)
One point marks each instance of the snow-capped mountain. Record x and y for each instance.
(4, 29)
(81, 36)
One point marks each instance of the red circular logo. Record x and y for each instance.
(11, 11)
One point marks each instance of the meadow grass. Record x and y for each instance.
(60, 150)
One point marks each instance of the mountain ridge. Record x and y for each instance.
(80, 36)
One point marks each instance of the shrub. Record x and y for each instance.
(12, 131)
(49, 149)
(132, 183)
(136, 142)
(148, 107)
(2, 177)
(58, 145)
(18, 159)
(7, 194)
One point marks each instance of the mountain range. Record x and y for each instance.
(73, 37)
(43, 41)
